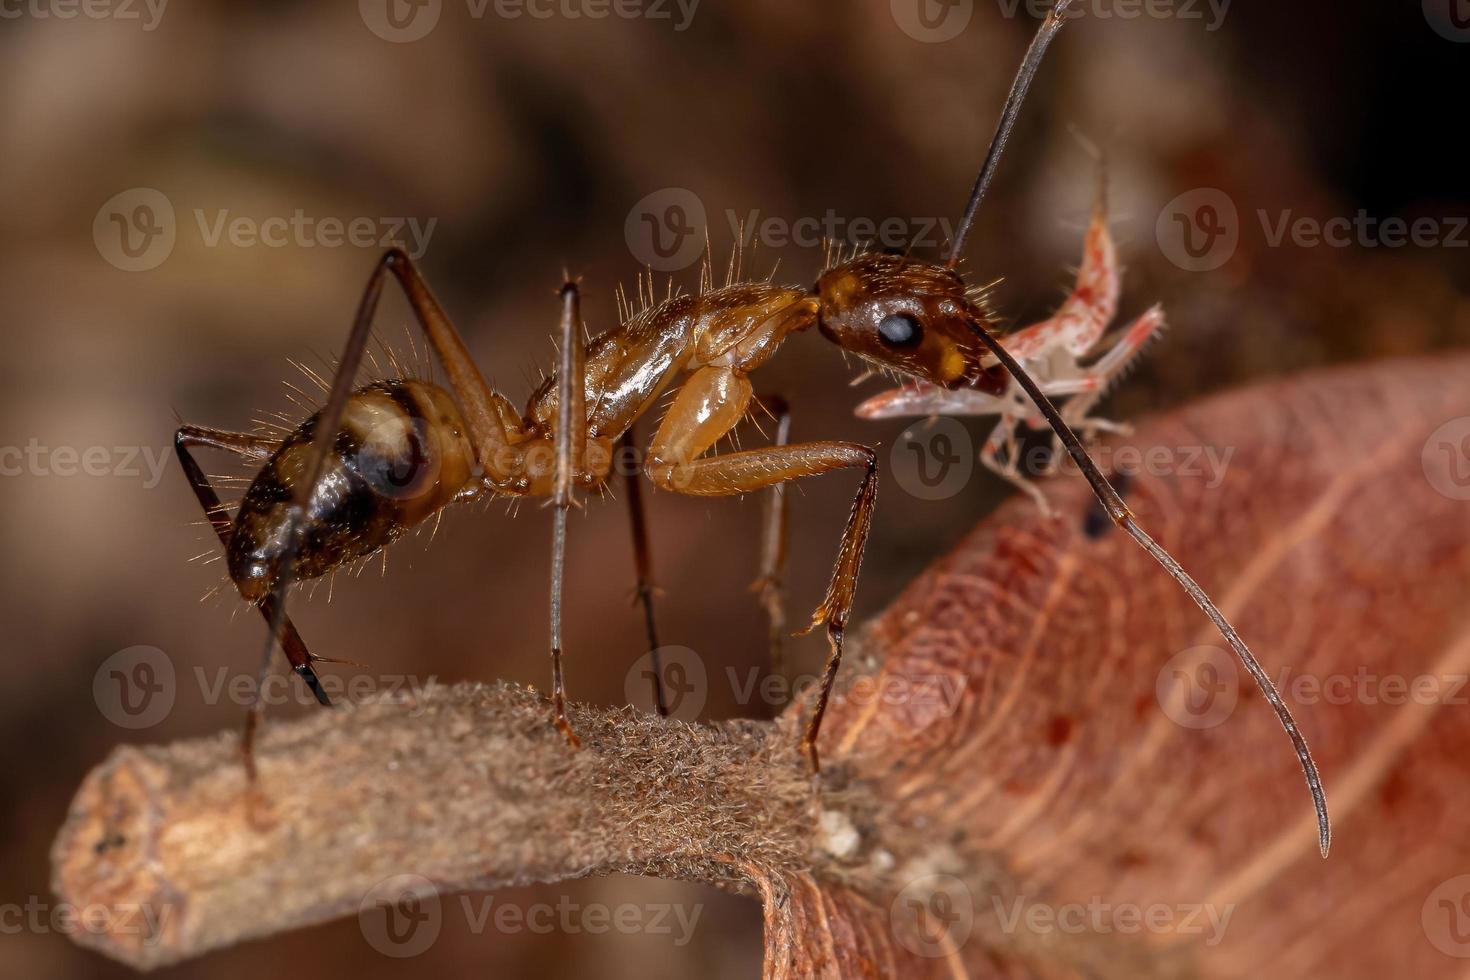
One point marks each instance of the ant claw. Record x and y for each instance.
(565, 727)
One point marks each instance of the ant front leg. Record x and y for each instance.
(711, 403)
(571, 444)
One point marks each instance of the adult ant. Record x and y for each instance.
(379, 459)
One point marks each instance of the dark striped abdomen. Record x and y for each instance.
(401, 455)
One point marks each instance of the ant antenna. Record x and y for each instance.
(1123, 517)
(1111, 501)
(1055, 18)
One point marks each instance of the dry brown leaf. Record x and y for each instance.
(1333, 547)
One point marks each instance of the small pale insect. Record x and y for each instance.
(1060, 353)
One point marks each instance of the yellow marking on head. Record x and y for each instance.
(843, 287)
(952, 364)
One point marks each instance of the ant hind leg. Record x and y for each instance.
(255, 449)
(644, 590)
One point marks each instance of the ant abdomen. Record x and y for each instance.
(400, 456)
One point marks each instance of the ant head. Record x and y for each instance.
(909, 316)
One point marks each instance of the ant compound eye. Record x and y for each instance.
(900, 330)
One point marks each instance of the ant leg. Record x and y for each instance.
(642, 562)
(255, 449)
(483, 413)
(711, 403)
(571, 442)
(775, 526)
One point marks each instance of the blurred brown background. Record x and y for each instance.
(530, 142)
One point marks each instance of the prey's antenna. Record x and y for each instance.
(1055, 18)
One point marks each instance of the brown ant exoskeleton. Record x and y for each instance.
(377, 460)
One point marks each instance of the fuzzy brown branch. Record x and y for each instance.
(467, 787)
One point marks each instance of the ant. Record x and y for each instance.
(379, 459)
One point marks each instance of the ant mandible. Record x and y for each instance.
(377, 460)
